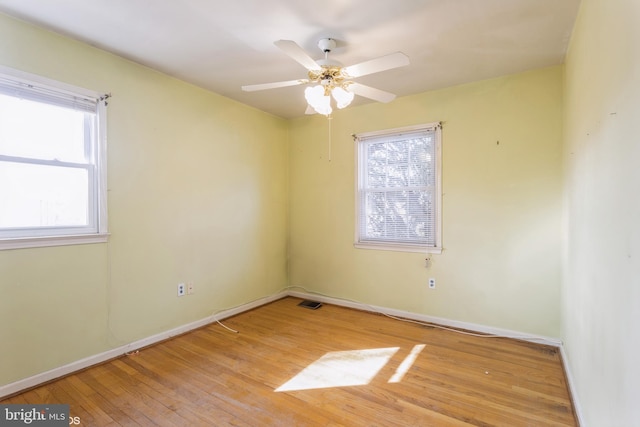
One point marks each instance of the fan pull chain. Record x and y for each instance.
(329, 118)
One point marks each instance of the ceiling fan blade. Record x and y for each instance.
(371, 92)
(376, 65)
(298, 54)
(275, 85)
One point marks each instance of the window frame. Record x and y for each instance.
(96, 230)
(359, 141)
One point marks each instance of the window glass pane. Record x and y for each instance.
(375, 214)
(41, 131)
(397, 151)
(420, 162)
(398, 215)
(376, 166)
(397, 175)
(377, 152)
(419, 214)
(42, 196)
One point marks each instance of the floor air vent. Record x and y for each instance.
(310, 304)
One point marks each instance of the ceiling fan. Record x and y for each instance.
(332, 79)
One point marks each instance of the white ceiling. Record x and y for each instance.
(222, 45)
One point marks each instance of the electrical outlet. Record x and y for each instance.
(432, 283)
(181, 289)
(190, 288)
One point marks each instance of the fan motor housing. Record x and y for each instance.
(328, 74)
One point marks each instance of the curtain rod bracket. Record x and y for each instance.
(104, 98)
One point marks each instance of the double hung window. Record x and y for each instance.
(398, 189)
(52, 163)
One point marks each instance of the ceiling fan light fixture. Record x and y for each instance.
(331, 79)
(343, 97)
(317, 99)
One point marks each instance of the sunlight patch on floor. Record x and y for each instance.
(407, 363)
(341, 369)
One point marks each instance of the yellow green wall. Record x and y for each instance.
(601, 283)
(197, 191)
(501, 264)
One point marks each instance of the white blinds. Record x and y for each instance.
(397, 188)
(41, 93)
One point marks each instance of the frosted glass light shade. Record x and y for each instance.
(342, 97)
(316, 98)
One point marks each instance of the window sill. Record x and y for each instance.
(41, 242)
(397, 248)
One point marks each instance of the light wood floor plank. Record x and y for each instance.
(214, 377)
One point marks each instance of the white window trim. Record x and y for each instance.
(437, 249)
(41, 242)
(101, 165)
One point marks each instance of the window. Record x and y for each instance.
(398, 189)
(52, 163)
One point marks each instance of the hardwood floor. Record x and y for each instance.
(291, 366)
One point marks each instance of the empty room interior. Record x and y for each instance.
(462, 199)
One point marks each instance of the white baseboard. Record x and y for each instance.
(430, 319)
(572, 387)
(35, 380)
